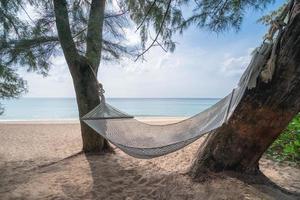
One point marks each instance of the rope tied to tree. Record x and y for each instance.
(277, 25)
(101, 91)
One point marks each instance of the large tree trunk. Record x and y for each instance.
(87, 96)
(261, 116)
(82, 67)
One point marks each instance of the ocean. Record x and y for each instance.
(66, 108)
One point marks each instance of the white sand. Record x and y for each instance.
(33, 166)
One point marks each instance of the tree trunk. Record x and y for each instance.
(261, 116)
(81, 67)
(87, 96)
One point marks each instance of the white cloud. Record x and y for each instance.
(58, 83)
(59, 71)
(236, 65)
(132, 37)
(189, 72)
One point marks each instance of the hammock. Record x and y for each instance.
(143, 140)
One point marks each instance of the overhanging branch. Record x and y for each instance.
(146, 15)
(158, 32)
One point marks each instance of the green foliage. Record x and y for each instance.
(218, 16)
(20, 38)
(287, 146)
(162, 16)
(268, 18)
(30, 38)
(11, 85)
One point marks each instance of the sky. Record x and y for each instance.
(203, 65)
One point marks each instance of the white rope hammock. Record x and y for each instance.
(142, 140)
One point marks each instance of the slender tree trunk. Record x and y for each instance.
(261, 116)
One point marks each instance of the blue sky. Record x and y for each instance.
(204, 64)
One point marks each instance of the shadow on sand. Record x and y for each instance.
(114, 179)
(112, 176)
(118, 178)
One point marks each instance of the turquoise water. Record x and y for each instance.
(66, 108)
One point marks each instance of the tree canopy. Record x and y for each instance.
(29, 39)
(29, 36)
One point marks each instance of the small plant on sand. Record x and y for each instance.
(287, 145)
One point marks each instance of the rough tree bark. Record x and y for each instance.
(86, 87)
(261, 116)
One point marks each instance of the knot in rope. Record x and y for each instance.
(101, 91)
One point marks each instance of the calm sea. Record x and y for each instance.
(66, 108)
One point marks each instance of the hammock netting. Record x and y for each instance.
(143, 140)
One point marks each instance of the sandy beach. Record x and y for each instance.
(40, 160)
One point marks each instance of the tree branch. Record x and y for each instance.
(159, 44)
(64, 31)
(159, 31)
(146, 15)
(22, 7)
(94, 33)
(115, 15)
(79, 32)
(12, 23)
(28, 43)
